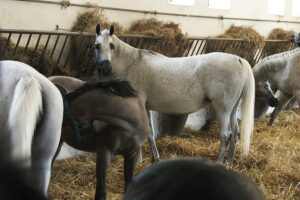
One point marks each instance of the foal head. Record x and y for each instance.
(296, 39)
(104, 47)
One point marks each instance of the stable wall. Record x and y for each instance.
(196, 20)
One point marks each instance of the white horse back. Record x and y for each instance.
(188, 81)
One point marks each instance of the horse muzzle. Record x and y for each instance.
(104, 68)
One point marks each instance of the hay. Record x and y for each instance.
(41, 62)
(86, 22)
(273, 162)
(278, 47)
(244, 32)
(280, 34)
(169, 33)
(247, 49)
(153, 27)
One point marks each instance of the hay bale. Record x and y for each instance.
(247, 48)
(153, 27)
(276, 47)
(244, 32)
(86, 22)
(172, 41)
(280, 34)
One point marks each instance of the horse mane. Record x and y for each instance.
(117, 87)
(149, 52)
(133, 55)
(273, 63)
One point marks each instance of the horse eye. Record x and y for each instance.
(97, 46)
(111, 45)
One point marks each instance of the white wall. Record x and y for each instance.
(39, 16)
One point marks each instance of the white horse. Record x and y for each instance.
(283, 71)
(31, 113)
(184, 85)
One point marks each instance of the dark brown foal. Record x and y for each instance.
(111, 120)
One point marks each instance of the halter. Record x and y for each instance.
(271, 95)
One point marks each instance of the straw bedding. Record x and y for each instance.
(273, 163)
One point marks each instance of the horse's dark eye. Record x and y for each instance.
(97, 46)
(111, 45)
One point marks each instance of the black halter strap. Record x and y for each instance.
(272, 100)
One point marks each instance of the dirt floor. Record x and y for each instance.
(273, 163)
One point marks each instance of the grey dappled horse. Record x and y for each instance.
(184, 85)
(30, 120)
(283, 71)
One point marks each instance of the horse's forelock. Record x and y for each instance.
(105, 32)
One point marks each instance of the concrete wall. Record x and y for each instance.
(45, 16)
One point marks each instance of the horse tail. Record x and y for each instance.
(24, 114)
(247, 111)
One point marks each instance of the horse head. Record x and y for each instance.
(104, 48)
(296, 39)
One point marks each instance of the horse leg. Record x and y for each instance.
(44, 146)
(129, 167)
(151, 140)
(155, 154)
(235, 132)
(103, 159)
(223, 119)
(283, 101)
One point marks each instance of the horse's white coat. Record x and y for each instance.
(283, 71)
(24, 113)
(28, 99)
(186, 84)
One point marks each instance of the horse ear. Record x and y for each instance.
(111, 30)
(98, 29)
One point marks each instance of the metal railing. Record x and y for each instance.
(56, 52)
